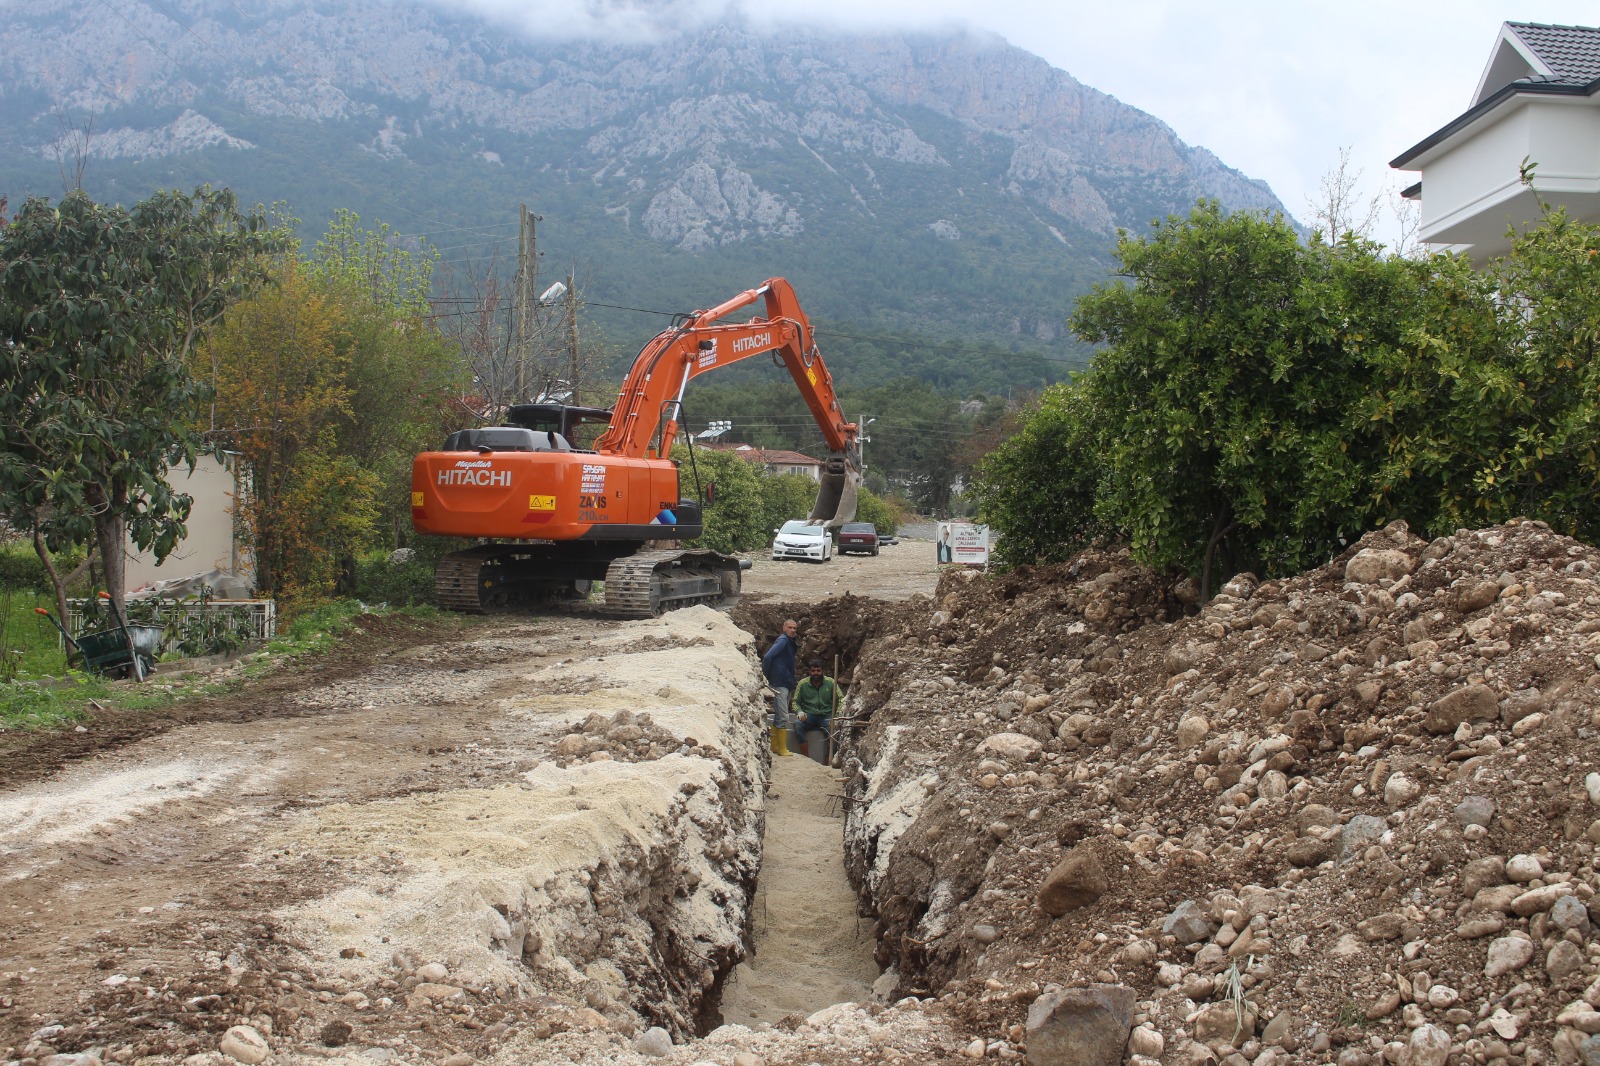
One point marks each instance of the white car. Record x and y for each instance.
(802, 540)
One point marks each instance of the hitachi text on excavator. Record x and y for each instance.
(551, 517)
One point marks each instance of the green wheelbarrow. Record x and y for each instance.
(123, 651)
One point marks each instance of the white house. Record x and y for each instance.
(1537, 103)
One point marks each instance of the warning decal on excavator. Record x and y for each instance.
(541, 509)
(416, 499)
(811, 376)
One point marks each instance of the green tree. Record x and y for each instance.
(400, 373)
(884, 513)
(785, 497)
(736, 518)
(375, 262)
(282, 385)
(1233, 361)
(1040, 487)
(1258, 400)
(101, 308)
(1539, 393)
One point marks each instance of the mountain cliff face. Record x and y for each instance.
(922, 179)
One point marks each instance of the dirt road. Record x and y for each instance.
(525, 838)
(898, 572)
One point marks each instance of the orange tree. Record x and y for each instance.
(1221, 425)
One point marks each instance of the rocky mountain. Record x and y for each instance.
(947, 182)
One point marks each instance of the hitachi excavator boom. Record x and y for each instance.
(553, 517)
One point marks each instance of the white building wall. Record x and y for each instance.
(1564, 143)
(211, 543)
(1475, 173)
(1472, 190)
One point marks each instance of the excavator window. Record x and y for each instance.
(506, 439)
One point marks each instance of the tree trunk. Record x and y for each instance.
(1218, 531)
(58, 580)
(111, 533)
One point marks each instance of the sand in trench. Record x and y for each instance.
(807, 951)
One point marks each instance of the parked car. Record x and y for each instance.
(858, 537)
(802, 540)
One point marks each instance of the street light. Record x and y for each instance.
(863, 441)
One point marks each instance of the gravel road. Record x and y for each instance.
(898, 572)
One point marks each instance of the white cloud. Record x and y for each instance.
(1274, 89)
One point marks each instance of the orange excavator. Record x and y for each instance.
(552, 517)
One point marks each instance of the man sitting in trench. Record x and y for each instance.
(815, 699)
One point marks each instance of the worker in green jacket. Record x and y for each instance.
(815, 700)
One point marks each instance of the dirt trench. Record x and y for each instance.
(526, 842)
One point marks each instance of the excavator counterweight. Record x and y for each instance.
(553, 517)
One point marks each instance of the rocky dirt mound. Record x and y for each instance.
(1343, 817)
(833, 630)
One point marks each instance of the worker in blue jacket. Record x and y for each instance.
(777, 666)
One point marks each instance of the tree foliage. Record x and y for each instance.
(101, 308)
(1040, 487)
(282, 384)
(328, 384)
(1263, 401)
(735, 520)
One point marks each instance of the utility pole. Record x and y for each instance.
(522, 298)
(572, 333)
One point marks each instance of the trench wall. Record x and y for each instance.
(616, 874)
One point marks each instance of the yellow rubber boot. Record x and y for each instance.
(780, 740)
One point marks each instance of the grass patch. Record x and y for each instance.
(44, 694)
(29, 645)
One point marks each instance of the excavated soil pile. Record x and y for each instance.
(833, 630)
(1347, 817)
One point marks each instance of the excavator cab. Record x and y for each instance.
(564, 420)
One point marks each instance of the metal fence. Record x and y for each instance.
(262, 615)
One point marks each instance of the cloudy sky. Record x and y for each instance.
(1276, 89)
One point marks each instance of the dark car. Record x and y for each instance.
(858, 537)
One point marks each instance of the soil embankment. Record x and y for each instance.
(552, 828)
(1351, 816)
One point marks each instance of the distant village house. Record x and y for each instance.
(774, 460)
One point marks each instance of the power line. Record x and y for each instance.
(942, 347)
(641, 310)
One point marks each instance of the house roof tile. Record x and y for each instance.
(1571, 52)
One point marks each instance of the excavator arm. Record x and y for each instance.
(645, 422)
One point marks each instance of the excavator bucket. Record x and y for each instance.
(836, 500)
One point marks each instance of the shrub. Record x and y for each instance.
(398, 584)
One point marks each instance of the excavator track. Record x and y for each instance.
(457, 578)
(492, 577)
(645, 584)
